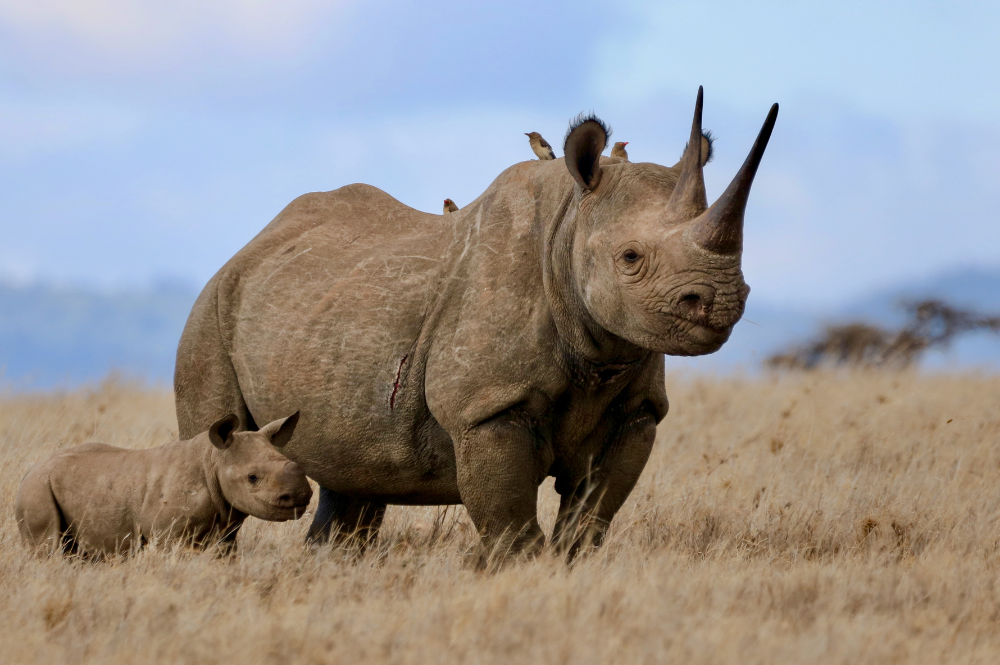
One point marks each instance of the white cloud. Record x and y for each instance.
(134, 35)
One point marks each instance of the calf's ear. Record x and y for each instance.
(585, 141)
(280, 431)
(221, 431)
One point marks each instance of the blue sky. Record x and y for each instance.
(142, 141)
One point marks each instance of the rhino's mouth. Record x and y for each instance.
(690, 322)
(282, 512)
(709, 334)
(719, 329)
(699, 336)
(287, 514)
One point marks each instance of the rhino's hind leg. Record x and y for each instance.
(343, 520)
(39, 519)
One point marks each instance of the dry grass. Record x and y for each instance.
(837, 518)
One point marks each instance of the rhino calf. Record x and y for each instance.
(96, 499)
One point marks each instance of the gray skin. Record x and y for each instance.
(463, 358)
(96, 500)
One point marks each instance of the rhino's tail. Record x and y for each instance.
(206, 387)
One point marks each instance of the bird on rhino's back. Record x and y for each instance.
(540, 146)
(462, 358)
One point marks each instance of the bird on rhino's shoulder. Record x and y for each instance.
(707, 149)
(449, 206)
(619, 150)
(446, 359)
(540, 146)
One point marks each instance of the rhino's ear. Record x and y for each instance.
(707, 147)
(280, 431)
(221, 431)
(585, 141)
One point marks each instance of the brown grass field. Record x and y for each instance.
(798, 518)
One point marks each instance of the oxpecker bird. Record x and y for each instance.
(619, 150)
(540, 146)
(449, 206)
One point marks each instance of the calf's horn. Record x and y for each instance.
(720, 228)
(688, 198)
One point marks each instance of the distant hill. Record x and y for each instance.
(63, 336)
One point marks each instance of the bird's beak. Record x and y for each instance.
(624, 143)
(527, 133)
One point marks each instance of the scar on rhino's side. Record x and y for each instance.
(395, 384)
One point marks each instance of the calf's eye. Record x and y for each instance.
(253, 479)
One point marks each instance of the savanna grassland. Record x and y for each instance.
(798, 518)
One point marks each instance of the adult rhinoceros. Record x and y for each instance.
(463, 358)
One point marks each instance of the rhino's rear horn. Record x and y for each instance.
(585, 141)
(688, 198)
(720, 229)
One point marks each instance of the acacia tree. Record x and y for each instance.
(931, 323)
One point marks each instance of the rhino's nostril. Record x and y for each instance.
(696, 303)
(285, 498)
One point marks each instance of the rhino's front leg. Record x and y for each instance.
(592, 494)
(500, 466)
(345, 520)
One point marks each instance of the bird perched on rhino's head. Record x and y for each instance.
(540, 146)
(619, 150)
(449, 206)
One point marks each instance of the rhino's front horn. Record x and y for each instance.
(688, 198)
(720, 228)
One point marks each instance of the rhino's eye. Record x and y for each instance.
(630, 256)
(253, 479)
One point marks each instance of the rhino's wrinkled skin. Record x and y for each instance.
(463, 358)
(96, 499)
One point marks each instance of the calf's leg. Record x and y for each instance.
(38, 516)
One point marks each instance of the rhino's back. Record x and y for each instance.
(324, 312)
(342, 213)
